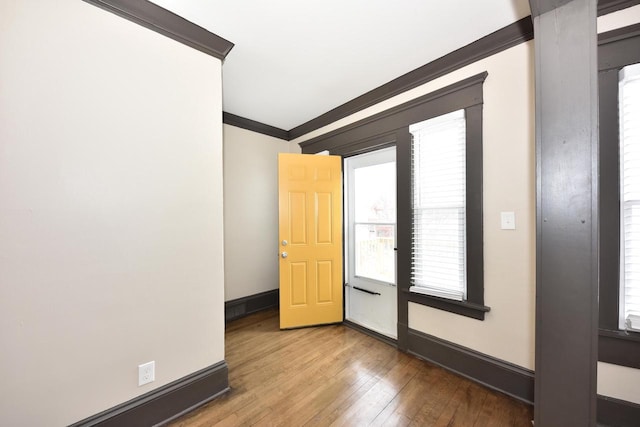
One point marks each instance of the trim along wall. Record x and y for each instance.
(509, 36)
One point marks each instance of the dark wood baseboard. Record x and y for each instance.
(507, 378)
(166, 403)
(371, 333)
(617, 413)
(496, 374)
(241, 307)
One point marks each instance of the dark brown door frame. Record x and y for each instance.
(567, 211)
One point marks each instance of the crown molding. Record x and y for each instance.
(167, 23)
(254, 126)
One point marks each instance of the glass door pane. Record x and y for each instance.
(374, 221)
(370, 201)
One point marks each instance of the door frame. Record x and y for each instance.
(348, 256)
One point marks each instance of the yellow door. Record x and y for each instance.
(310, 203)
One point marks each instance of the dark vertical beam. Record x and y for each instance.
(567, 212)
(404, 229)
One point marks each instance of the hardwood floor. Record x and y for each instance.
(336, 376)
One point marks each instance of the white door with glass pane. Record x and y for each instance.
(370, 236)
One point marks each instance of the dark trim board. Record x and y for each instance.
(241, 307)
(617, 413)
(619, 347)
(167, 402)
(167, 23)
(604, 6)
(607, 60)
(567, 234)
(463, 308)
(618, 48)
(379, 129)
(509, 36)
(496, 374)
(252, 125)
(506, 377)
(505, 38)
(608, 6)
(371, 333)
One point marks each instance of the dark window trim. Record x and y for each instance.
(463, 308)
(616, 49)
(167, 23)
(462, 94)
(474, 306)
(392, 126)
(619, 347)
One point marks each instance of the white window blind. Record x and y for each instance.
(438, 160)
(629, 100)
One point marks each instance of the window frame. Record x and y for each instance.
(616, 50)
(473, 306)
(427, 147)
(391, 127)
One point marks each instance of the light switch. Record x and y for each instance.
(508, 220)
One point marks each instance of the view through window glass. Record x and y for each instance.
(375, 217)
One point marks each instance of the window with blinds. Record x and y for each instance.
(438, 168)
(629, 113)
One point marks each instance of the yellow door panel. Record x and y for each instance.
(324, 290)
(310, 203)
(298, 275)
(298, 218)
(324, 223)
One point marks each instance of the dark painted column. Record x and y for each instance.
(404, 229)
(567, 216)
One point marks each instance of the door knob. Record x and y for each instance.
(284, 255)
(284, 243)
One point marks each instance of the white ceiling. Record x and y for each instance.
(296, 59)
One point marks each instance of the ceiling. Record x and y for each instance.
(295, 60)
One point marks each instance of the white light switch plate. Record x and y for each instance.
(508, 220)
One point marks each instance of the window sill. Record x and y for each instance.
(619, 347)
(463, 308)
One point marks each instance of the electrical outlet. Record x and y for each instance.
(146, 373)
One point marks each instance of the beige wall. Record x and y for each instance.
(619, 19)
(509, 185)
(251, 211)
(620, 382)
(111, 250)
